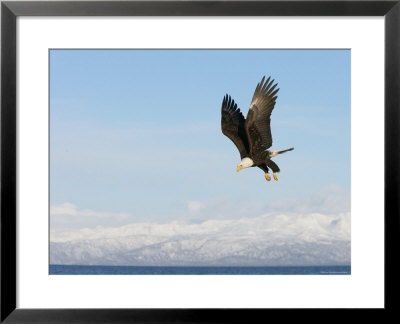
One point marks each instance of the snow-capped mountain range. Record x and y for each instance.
(268, 240)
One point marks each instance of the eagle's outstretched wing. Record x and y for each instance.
(232, 125)
(258, 120)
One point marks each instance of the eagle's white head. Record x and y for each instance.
(245, 163)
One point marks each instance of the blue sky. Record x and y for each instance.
(135, 134)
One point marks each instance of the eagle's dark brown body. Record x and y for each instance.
(252, 136)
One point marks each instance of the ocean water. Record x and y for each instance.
(142, 270)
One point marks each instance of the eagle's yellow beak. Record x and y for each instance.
(239, 168)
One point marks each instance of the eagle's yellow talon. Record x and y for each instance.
(267, 177)
(275, 177)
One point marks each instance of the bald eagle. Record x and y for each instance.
(253, 136)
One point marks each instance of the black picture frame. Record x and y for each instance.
(10, 10)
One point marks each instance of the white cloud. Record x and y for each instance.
(63, 209)
(69, 209)
(277, 226)
(69, 215)
(195, 206)
(331, 199)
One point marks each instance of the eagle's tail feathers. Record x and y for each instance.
(287, 150)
